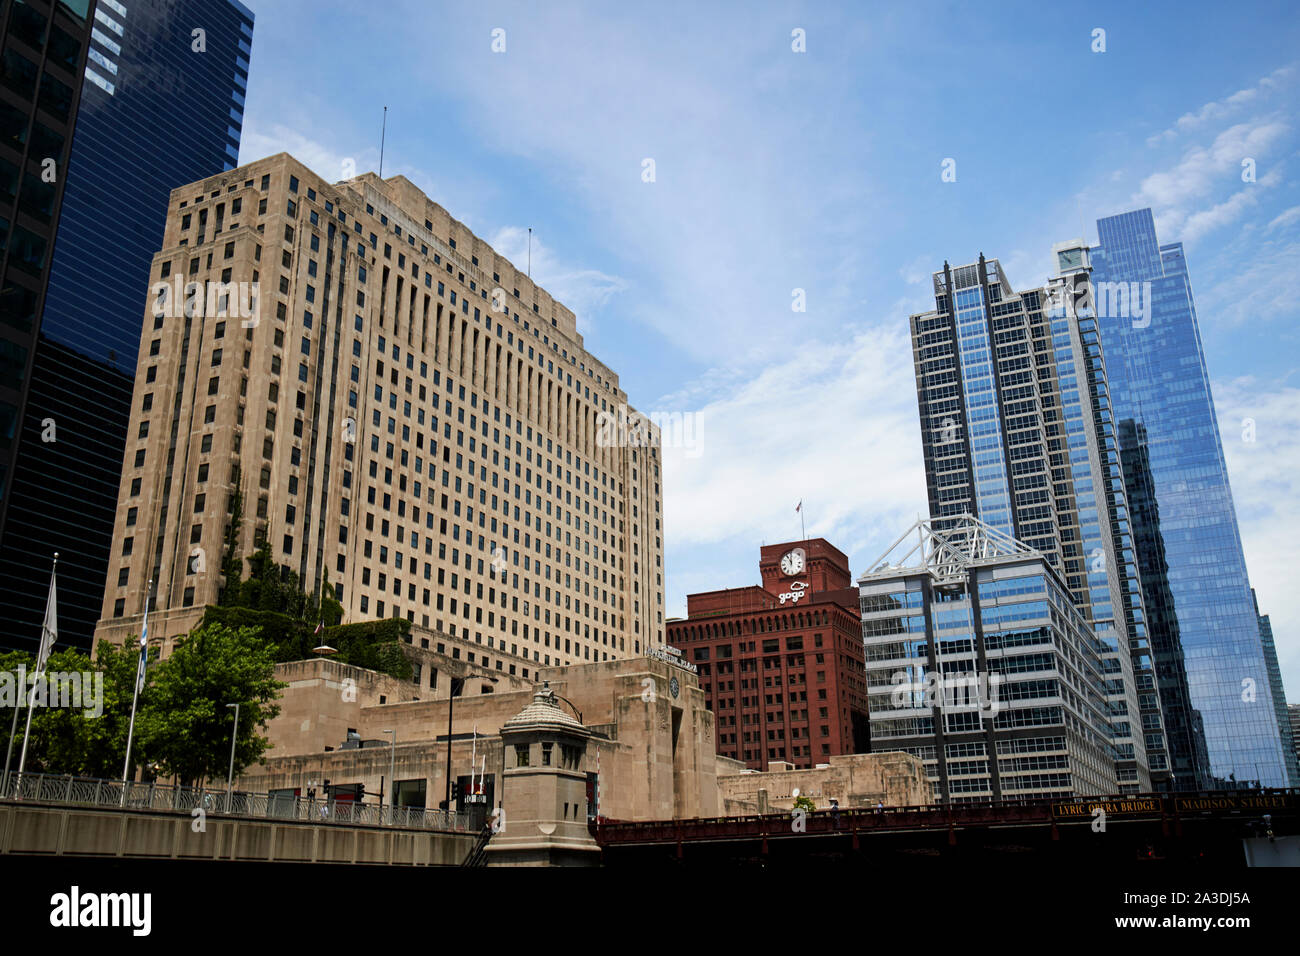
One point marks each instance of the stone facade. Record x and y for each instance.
(854, 780)
(407, 415)
(651, 750)
(542, 821)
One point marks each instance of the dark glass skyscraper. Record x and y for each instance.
(1184, 729)
(161, 105)
(1278, 691)
(44, 53)
(1158, 378)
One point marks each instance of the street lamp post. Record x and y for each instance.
(392, 787)
(230, 774)
(456, 682)
(451, 703)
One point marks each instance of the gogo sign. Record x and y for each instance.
(797, 590)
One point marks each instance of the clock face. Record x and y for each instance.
(674, 686)
(792, 562)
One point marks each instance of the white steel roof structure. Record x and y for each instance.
(947, 554)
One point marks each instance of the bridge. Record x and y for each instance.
(1226, 828)
(60, 816)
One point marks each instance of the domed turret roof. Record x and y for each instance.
(544, 713)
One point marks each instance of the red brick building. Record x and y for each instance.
(782, 664)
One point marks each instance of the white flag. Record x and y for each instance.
(50, 629)
(144, 648)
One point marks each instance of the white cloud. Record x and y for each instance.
(581, 290)
(327, 161)
(1221, 214)
(1202, 168)
(835, 425)
(1218, 109)
(1284, 219)
(1263, 475)
(1264, 289)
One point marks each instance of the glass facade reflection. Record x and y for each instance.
(1279, 693)
(1019, 432)
(161, 106)
(1159, 382)
(991, 677)
(43, 53)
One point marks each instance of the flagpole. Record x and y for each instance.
(49, 628)
(20, 699)
(135, 697)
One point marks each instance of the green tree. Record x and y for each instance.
(232, 568)
(10, 662)
(268, 588)
(105, 736)
(331, 611)
(67, 739)
(804, 802)
(186, 725)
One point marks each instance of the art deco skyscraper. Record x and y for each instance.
(407, 416)
(1159, 383)
(1017, 432)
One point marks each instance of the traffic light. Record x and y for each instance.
(455, 789)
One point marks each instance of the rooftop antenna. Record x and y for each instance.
(530, 252)
(382, 133)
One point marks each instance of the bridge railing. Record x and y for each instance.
(93, 792)
(1008, 810)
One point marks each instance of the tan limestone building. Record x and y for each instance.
(854, 781)
(649, 750)
(408, 416)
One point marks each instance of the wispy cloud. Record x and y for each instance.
(582, 290)
(1260, 423)
(1204, 171)
(835, 425)
(1285, 219)
(1221, 109)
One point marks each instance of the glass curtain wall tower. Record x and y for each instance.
(1017, 432)
(1159, 383)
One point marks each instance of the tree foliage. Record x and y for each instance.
(71, 740)
(186, 727)
(231, 566)
(182, 724)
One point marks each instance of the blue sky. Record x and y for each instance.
(777, 170)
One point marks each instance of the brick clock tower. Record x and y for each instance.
(813, 566)
(781, 664)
